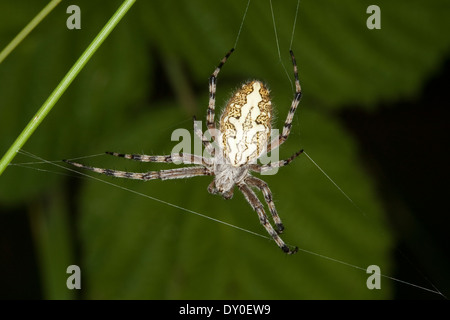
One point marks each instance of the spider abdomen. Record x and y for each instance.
(246, 123)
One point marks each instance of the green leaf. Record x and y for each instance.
(141, 85)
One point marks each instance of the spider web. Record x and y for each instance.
(31, 165)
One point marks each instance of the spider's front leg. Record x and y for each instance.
(198, 132)
(253, 200)
(288, 123)
(213, 190)
(212, 94)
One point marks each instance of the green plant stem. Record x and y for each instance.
(29, 27)
(64, 84)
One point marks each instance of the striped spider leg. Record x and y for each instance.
(178, 173)
(243, 137)
(288, 123)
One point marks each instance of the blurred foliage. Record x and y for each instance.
(149, 78)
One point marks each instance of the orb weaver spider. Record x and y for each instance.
(243, 137)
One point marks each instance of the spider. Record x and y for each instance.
(243, 137)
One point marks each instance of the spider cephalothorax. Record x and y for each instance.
(244, 136)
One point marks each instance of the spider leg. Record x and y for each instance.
(263, 168)
(179, 173)
(213, 190)
(212, 94)
(288, 123)
(198, 132)
(262, 185)
(185, 158)
(253, 200)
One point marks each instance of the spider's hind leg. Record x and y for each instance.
(213, 190)
(180, 157)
